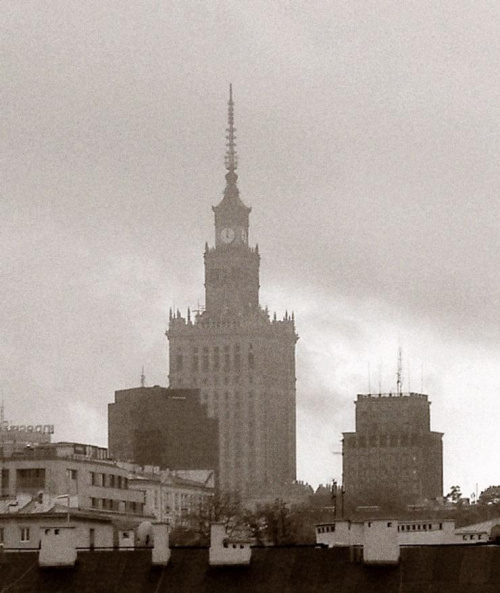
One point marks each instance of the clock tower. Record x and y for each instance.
(242, 361)
(232, 267)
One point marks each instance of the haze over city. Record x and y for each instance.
(367, 136)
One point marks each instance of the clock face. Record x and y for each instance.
(227, 235)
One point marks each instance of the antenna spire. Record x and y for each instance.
(143, 378)
(231, 157)
(2, 415)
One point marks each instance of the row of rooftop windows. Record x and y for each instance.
(103, 480)
(421, 527)
(34, 477)
(384, 440)
(108, 504)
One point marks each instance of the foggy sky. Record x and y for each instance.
(368, 150)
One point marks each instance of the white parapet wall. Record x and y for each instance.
(381, 542)
(432, 532)
(161, 545)
(340, 533)
(57, 547)
(224, 551)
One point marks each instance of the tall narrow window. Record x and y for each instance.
(178, 362)
(205, 362)
(195, 360)
(237, 357)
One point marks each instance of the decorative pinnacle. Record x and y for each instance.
(231, 156)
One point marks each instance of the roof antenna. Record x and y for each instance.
(2, 415)
(369, 380)
(143, 378)
(399, 382)
(422, 378)
(231, 157)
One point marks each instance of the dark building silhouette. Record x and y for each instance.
(422, 569)
(164, 427)
(241, 359)
(393, 457)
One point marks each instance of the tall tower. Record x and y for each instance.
(242, 361)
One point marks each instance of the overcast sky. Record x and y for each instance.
(368, 149)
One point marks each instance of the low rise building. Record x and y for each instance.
(172, 495)
(80, 476)
(409, 533)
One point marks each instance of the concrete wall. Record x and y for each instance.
(381, 545)
(57, 547)
(224, 552)
(426, 532)
(103, 532)
(340, 533)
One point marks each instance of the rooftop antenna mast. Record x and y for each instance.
(231, 157)
(143, 378)
(2, 415)
(399, 382)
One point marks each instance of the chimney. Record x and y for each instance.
(57, 547)
(381, 542)
(226, 551)
(161, 547)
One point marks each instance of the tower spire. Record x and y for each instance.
(231, 156)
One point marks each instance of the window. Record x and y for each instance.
(94, 503)
(237, 357)
(205, 362)
(72, 474)
(194, 361)
(31, 479)
(93, 479)
(5, 481)
(178, 362)
(1, 535)
(25, 534)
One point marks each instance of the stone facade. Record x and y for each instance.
(393, 457)
(242, 361)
